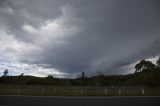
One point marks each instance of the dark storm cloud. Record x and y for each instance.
(98, 36)
(111, 33)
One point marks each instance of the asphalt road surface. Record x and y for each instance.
(78, 101)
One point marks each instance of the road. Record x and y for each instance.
(74, 101)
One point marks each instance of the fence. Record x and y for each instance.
(79, 91)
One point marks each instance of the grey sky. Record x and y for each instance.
(66, 37)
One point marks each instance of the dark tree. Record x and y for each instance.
(144, 65)
(83, 74)
(5, 73)
(158, 62)
(150, 65)
(49, 76)
(21, 75)
(140, 66)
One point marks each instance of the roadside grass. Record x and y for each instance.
(78, 91)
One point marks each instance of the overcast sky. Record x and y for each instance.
(65, 37)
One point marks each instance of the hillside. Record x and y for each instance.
(151, 78)
(146, 74)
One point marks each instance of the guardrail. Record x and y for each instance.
(79, 91)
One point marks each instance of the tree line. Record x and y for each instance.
(146, 74)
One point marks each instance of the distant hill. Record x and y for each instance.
(151, 78)
(146, 74)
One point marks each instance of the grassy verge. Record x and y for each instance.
(78, 91)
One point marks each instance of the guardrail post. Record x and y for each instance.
(81, 92)
(55, 91)
(106, 91)
(142, 91)
(119, 91)
(17, 90)
(42, 91)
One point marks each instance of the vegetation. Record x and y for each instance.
(144, 82)
(5, 73)
(146, 74)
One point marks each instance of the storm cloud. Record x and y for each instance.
(65, 37)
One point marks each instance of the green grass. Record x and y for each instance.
(78, 91)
